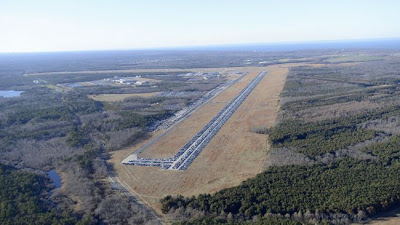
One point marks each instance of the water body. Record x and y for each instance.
(55, 178)
(75, 85)
(10, 93)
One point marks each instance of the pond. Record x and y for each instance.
(10, 93)
(55, 178)
(75, 85)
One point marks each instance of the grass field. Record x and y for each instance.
(353, 58)
(120, 97)
(181, 134)
(233, 155)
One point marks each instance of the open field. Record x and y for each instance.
(120, 97)
(132, 71)
(353, 58)
(389, 218)
(233, 155)
(386, 221)
(181, 134)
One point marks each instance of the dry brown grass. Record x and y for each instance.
(386, 221)
(120, 97)
(182, 133)
(232, 156)
(388, 218)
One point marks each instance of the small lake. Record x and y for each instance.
(10, 93)
(55, 178)
(75, 85)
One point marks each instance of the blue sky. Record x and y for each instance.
(70, 25)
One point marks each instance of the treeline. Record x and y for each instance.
(388, 152)
(316, 138)
(14, 81)
(24, 115)
(81, 104)
(132, 119)
(330, 100)
(355, 188)
(270, 220)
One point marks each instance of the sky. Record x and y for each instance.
(73, 25)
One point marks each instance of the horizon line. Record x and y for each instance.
(204, 46)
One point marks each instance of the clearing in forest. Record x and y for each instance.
(233, 155)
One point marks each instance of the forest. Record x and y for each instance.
(51, 126)
(334, 122)
(21, 200)
(334, 156)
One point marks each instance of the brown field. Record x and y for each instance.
(181, 134)
(233, 155)
(120, 97)
(386, 221)
(388, 218)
